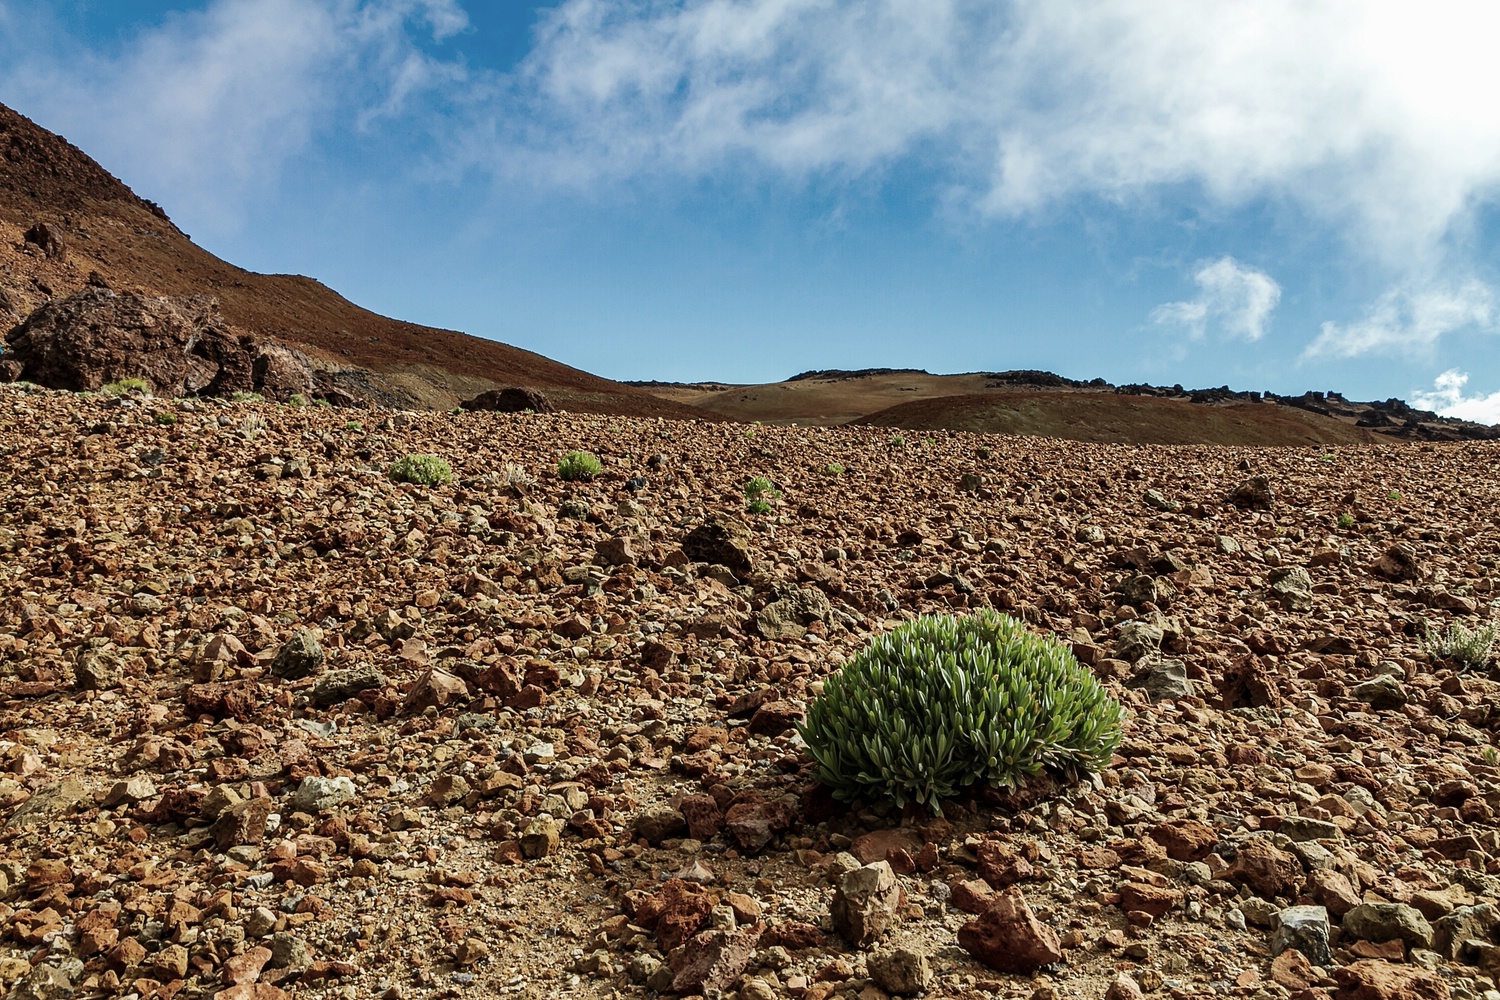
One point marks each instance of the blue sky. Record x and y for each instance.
(1283, 195)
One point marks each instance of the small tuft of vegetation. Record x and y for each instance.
(944, 703)
(897, 441)
(296, 399)
(164, 418)
(579, 467)
(252, 426)
(759, 492)
(247, 397)
(323, 403)
(125, 386)
(353, 425)
(517, 477)
(424, 470)
(1468, 647)
(1393, 495)
(1346, 520)
(834, 469)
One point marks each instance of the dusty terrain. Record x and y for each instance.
(538, 702)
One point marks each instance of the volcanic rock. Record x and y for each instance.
(1009, 938)
(512, 399)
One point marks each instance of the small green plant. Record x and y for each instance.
(424, 470)
(296, 399)
(353, 425)
(897, 441)
(1329, 456)
(252, 426)
(1491, 756)
(1346, 520)
(834, 469)
(1468, 647)
(578, 466)
(759, 492)
(983, 451)
(125, 386)
(165, 418)
(247, 397)
(517, 477)
(943, 703)
(1393, 495)
(325, 404)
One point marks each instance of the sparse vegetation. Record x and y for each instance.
(1491, 756)
(252, 426)
(296, 399)
(1468, 647)
(1393, 495)
(897, 441)
(353, 425)
(943, 703)
(247, 397)
(517, 477)
(1346, 520)
(834, 469)
(164, 418)
(424, 470)
(125, 386)
(759, 492)
(579, 466)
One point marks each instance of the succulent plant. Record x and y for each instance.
(578, 466)
(425, 470)
(942, 703)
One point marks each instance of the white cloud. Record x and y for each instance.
(1359, 111)
(1236, 298)
(208, 104)
(1447, 398)
(1410, 321)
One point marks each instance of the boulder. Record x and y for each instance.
(1254, 493)
(1009, 938)
(179, 346)
(865, 905)
(512, 399)
(721, 541)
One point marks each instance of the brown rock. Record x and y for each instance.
(1376, 980)
(1009, 938)
(1248, 684)
(722, 541)
(436, 688)
(1399, 563)
(1001, 865)
(512, 399)
(713, 961)
(235, 699)
(1266, 870)
(1137, 897)
(676, 912)
(1185, 839)
(865, 903)
(242, 823)
(1292, 969)
(1331, 890)
(753, 824)
(703, 816)
(974, 896)
(877, 845)
(775, 718)
(1124, 988)
(179, 346)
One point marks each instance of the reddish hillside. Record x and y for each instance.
(130, 244)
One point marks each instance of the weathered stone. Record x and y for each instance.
(511, 399)
(242, 823)
(1376, 980)
(1381, 693)
(1185, 839)
(98, 671)
(541, 838)
(1387, 921)
(900, 971)
(1254, 493)
(1266, 870)
(722, 541)
(1137, 639)
(864, 906)
(714, 960)
(338, 686)
(300, 656)
(317, 793)
(435, 689)
(658, 823)
(1304, 928)
(1164, 679)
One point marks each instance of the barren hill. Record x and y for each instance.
(1049, 405)
(99, 227)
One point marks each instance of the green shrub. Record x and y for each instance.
(1468, 647)
(425, 470)
(943, 703)
(897, 441)
(759, 492)
(165, 418)
(296, 399)
(1346, 520)
(353, 425)
(834, 469)
(121, 387)
(247, 397)
(578, 466)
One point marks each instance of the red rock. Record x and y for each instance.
(1248, 684)
(1292, 969)
(794, 935)
(877, 844)
(1001, 865)
(974, 896)
(1136, 897)
(1375, 980)
(753, 824)
(675, 912)
(252, 991)
(1009, 938)
(245, 968)
(775, 717)
(704, 818)
(1266, 870)
(1124, 988)
(1331, 890)
(1185, 839)
(236, 699)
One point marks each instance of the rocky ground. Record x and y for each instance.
(273, 723)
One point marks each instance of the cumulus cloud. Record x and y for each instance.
(1360, 112)
(1237, 299)
(1448, 399)
(1409, 321)
(207, 104)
